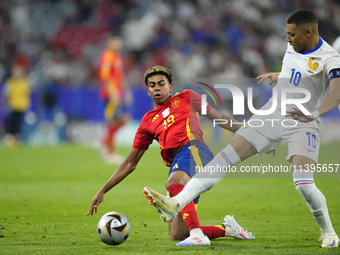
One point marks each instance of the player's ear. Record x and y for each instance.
(171, 87)
(308, 32)
(147, 89)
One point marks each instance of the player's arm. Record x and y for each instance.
(272, 76)
(332, 101)
(231, 124)
(123, 170)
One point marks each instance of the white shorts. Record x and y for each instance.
(303, 139)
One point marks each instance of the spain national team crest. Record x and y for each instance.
(175, 102)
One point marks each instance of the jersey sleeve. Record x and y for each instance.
(143, 137)
(332, 62)
(196, 102)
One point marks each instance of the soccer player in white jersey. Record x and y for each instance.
(309, 63)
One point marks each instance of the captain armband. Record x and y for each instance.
(334, 73)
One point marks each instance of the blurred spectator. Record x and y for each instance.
(17, 98)
(19, 12)
(336, 44)
(138, 31)
(57, 68)
(172, 33)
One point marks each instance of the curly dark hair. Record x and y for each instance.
(158, 70)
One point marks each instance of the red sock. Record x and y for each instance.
(213, 231)
(110, 133)
(108, 139)
(189, 213)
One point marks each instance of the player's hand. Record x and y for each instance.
(95, 203)
(272, 76)
(297, 114)
(272, 151)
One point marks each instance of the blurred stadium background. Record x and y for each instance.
(59, 41)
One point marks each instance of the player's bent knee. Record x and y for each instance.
(177, 177)
(171, 182)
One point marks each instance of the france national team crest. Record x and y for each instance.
(312, 65)
(175, 102)
(166, 112)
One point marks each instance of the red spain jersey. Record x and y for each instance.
(110, 67)
(172, 124)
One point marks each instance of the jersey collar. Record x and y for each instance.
(167, 101)
(313, 50)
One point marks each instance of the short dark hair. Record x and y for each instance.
(302, 17)
(158, 70)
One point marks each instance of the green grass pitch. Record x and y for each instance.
(45, 193)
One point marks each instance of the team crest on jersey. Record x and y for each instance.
(166, 112)
(175, 102)
(313, 66)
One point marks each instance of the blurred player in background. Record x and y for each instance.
(309, 63)
(111, 92)
(175, 125)
(17, 98)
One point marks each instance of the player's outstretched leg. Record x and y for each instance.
(233, 229)
(166, 206)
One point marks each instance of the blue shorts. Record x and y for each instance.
(192, 155)
(112, 111)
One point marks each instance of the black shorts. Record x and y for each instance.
(14, 121)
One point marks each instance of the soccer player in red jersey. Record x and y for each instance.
(175, 125)
(111, 92)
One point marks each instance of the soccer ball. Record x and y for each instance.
(113, 228)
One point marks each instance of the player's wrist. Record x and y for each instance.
(316, 114)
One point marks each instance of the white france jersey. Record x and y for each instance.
(308, 70)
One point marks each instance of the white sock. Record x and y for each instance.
(196, 232)
(205, 180)
(316, 201)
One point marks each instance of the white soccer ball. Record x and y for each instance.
(113, 228)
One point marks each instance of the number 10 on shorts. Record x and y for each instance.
(311, 141)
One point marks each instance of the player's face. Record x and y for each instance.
(115, 43)
(297, 38)
(159, 88)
